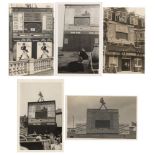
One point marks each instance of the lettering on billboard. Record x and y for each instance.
(24, 50)
(44, 50)
(47, 22)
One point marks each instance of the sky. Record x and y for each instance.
(78, 105)
(138, 11)
(28, 92)
(61, 11)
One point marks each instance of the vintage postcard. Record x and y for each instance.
(31, 40)
(40, 104)
(78, 38)
(124, 40)
(110, 117)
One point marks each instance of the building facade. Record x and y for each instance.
(81, 27)
(59, 121)
(123, 40)
(80, 128)
(102, 121)
(23, 121)
(42, 117)
(31, 39)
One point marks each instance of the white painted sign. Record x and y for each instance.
(44, 22)
(18, 21)
(47, 22)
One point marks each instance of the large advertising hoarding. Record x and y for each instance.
(44, 50)
(42, 113)
(24, 50)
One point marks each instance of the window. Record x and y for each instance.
(123, 17)
(66, 41)
(41, 114)
(131, 20)
(121, 35)
(141, 35)
(82, 21)
(35, 27)
(113, 61)
(138, 62)
(117, 18)
(32, 17)
(142, 22)
(108, 15)
(96, 41)
(102, 124)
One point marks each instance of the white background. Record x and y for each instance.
(136, 85)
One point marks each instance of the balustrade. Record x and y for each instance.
(18, 67)
(32, 66)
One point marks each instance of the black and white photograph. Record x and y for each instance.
(109, 117)
(124, 40)
(78, 38)
(77, 77)
(40, 104)
(31, 39)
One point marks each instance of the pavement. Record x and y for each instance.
(124, 72)
(129, 72)
(46, 73)
(65, 57)
(108, 136)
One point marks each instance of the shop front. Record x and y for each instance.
(75, 41)
(126, 64)
(124, 59)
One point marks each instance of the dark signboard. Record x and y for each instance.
(42, 113)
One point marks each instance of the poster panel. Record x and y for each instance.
(44, 50)
(24, 50)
